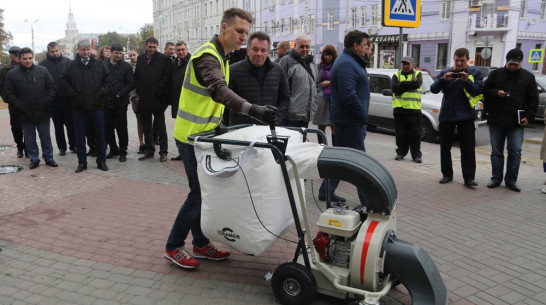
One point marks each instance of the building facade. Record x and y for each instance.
(445, 26)
(196, 21)
(68, 43)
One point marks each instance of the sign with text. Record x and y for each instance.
(401, 13)
(387, 38)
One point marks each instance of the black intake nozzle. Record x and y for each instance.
(414, 268)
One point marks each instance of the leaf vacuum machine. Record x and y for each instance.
(252, 190)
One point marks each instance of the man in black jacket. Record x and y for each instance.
(88, 83)
(259, 80)
(178, 72)
(61, 113)
(151, 83)
(511, 101)
(30, 90)
(16, 129)
(117, 102)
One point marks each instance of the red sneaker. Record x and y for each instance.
(181, 258)
(210, 252)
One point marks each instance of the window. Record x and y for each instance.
(523, 8)
(302, 24)
(283, 26)
(290, 25)
(441, 56)
(206, 32)
(312, 23)
(331, 20)
(282, 2)
(353, 18)
(266, 27)
(488, 9)
(374, 14)
(543, 10)
(217, 29)
(378, 83)
(416, 54)
(205, 10)
(196, 33)
(363, 16)
(217, 8)
(446, 9)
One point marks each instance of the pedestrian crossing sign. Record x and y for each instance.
(536, 55)
(401, 13)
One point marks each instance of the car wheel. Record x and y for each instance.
(427, 132)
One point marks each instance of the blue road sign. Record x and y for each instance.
(401, 13)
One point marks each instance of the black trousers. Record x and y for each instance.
(407, 130)
(16, 129)
(62, 116)
(115, 120)
(147, 125)
(467, 143)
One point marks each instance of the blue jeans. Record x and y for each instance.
(29, 130)
(96, 119)
(514, 139)
(189, 216)
(352, 136)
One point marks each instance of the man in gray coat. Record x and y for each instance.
(302, 74)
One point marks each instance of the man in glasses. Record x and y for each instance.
(462, 88)
(301, 71)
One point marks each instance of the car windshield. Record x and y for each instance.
(427, 81)
(541, 80)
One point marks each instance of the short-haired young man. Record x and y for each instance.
(462, 88)
(61, 111)
(30, 90)
(204, 95)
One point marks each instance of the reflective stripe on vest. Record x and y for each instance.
(409, 99)
(473, 100)
(197, 111)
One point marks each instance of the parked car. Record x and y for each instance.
(541, 84)
(485, 70)
(380, 112)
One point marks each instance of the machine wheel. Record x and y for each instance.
(427, 132)
(293, 284)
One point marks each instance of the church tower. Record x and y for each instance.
(71, 34)
(71, 28)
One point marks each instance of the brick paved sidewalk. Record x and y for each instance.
(97, 237)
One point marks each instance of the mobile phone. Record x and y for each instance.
(507, 93)
(456, 74)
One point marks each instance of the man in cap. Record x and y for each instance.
(511, 101)
(406, 104)
(16, 129)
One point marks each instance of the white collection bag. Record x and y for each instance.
(245, 204)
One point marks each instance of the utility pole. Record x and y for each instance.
(31, 30)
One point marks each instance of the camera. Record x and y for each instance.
(456, 74)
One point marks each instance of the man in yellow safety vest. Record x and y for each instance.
(406, 104)
(204, 95)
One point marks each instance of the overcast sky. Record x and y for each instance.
(97, 16)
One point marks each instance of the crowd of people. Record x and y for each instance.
(89, 97)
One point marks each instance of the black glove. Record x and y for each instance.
(266, 114)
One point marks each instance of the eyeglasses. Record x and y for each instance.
(304, 46)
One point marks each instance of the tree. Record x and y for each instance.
(5, 37)
(40, 56)
(146, 31)
(110, 38)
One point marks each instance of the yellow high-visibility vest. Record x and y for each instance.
(473, 100)
(197, 111)
(409, 99)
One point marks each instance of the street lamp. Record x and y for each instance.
(32, 31)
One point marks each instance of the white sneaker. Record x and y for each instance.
(543, 190)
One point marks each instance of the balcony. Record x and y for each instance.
(489, 23)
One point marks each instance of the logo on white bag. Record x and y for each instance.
(228, 234)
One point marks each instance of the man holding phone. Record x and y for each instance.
(462, 88)
(511, 101)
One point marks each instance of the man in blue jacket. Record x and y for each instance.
(350, 96)
(462, 88)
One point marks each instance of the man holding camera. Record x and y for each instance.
(511, 101)
(462, 88)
